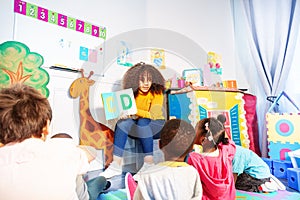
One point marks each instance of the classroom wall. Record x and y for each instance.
(204, 25)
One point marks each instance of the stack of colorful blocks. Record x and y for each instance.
(283, 139)
(283, 169)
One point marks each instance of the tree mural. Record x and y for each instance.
(18, 64)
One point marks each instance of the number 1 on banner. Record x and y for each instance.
(31, 10)
(20, 7)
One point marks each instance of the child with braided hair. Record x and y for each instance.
(214, 164)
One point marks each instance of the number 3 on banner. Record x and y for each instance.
(42, 14)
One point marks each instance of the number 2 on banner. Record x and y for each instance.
(31, 10)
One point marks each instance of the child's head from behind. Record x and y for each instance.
(146, 74)
(211, 132)
(24, 113)
(176, 138)
(61, 135)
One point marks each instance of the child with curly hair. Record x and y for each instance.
(147, 84)
(173, 178)
(30, 168)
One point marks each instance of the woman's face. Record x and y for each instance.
(145, 82)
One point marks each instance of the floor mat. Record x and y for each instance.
(280, 195)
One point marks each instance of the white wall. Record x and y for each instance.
(206, 23)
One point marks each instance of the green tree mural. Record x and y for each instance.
(18, 64)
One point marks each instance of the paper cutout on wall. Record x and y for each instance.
(158, 58)
(124, 57)
(92, 133)
(19, 64)
(214, 61)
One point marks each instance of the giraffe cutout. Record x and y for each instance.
(92, 133)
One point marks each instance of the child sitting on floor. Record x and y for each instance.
(250, 172)
(215, 163)
(91, 189)
(174, 178)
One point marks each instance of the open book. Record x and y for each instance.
(119, 102)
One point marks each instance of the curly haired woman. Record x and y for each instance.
(147, 84)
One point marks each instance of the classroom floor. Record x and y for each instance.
(118, 184)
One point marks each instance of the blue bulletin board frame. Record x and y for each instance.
(193, 75)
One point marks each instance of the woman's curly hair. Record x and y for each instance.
(133, 75)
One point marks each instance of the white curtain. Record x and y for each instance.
(265, 35)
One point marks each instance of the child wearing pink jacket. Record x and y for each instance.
(214, 165)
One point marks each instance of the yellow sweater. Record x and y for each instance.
(149, 105)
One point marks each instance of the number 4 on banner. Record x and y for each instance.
(53, 17)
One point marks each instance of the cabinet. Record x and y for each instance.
(239, 108)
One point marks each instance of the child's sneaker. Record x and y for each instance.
(130, 186)
(114, 169)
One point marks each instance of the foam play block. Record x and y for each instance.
(269, 162)
(280, 168)
(293, 176)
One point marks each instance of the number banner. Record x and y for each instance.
(59, 19)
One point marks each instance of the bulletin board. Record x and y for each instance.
(63, 40)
